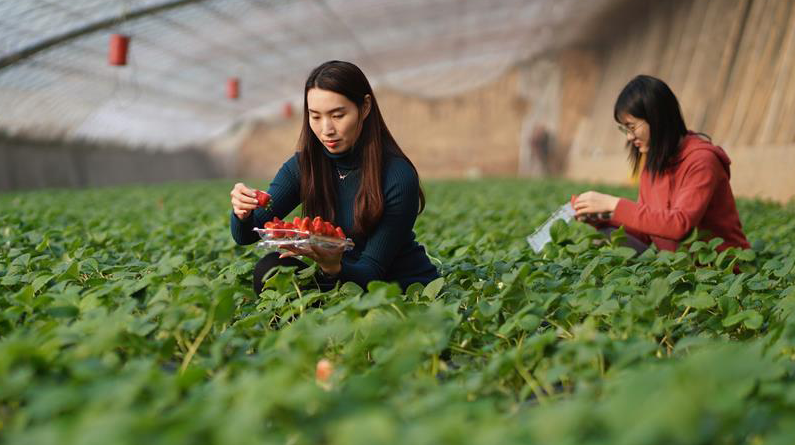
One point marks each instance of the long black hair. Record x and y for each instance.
(376, 142)
(650, 99)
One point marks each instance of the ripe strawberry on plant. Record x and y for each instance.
(323, 371)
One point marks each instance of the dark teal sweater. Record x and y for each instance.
(390, 252)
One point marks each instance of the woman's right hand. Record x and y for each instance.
(244, 201)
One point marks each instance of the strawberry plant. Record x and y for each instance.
(126, 316)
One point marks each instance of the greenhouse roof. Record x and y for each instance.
(55, 77)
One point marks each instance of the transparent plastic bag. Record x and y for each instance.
(275, 238)
(566, 213)
(541, 236)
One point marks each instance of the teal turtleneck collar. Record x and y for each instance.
(349, 160)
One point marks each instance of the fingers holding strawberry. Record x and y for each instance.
(244, 200)
(593, 204)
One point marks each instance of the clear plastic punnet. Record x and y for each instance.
(541, 236)
(276, 238)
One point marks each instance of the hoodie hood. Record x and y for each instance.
(694, 142)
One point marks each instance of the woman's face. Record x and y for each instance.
(637, 131)
(334, 119)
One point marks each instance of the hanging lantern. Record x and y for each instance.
(117, 52)
(233, 88)
(287, 110)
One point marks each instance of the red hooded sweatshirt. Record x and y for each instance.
(695, 192)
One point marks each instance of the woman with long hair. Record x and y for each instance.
(348, 170)
(684, 180)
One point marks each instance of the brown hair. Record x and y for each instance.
(318, 194)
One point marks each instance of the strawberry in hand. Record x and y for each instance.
(263, 199)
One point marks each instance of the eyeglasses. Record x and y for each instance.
(627, 130)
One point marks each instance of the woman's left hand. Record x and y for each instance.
(592, 202)
(329, 260)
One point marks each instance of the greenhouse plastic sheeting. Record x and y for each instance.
(55, 78)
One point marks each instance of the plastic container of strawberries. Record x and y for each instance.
(276, 238)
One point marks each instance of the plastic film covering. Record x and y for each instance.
(55, 78)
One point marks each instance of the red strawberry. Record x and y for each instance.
(306, 224)
(573, 198)
(340, 234)
(323, 370)
(269, 225)
(297, 221)
(328, 229)
(262, 198)
(317, 227)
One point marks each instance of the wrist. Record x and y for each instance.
(614, 205)
(331, 270)
(243, 218)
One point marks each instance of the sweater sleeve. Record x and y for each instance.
(401, 205)
(285, 191)
(642, 237)
(689, 201)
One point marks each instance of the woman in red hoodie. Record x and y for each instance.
(684, 183)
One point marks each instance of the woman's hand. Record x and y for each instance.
(594, 203)
(244, 201)
(329, 260)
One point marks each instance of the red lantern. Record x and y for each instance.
(287, 110)
(117, 53)
(233, 88)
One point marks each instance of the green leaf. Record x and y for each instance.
(746, 255)
(753, 320)
(606, 308)
(624, 252)
(588, 270)
(707, 257)
(71, 272)
(703, 275)
(487, 309)
(224, 305)
(786, 268)
(24, 297)
(193, 281)
(433, 288)
(658, 290)
(700, 300)
(748, 314)
(10, 280)
(558, 231)
(737, 286)
(241, 267)
(63, 311)
(580, 247)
